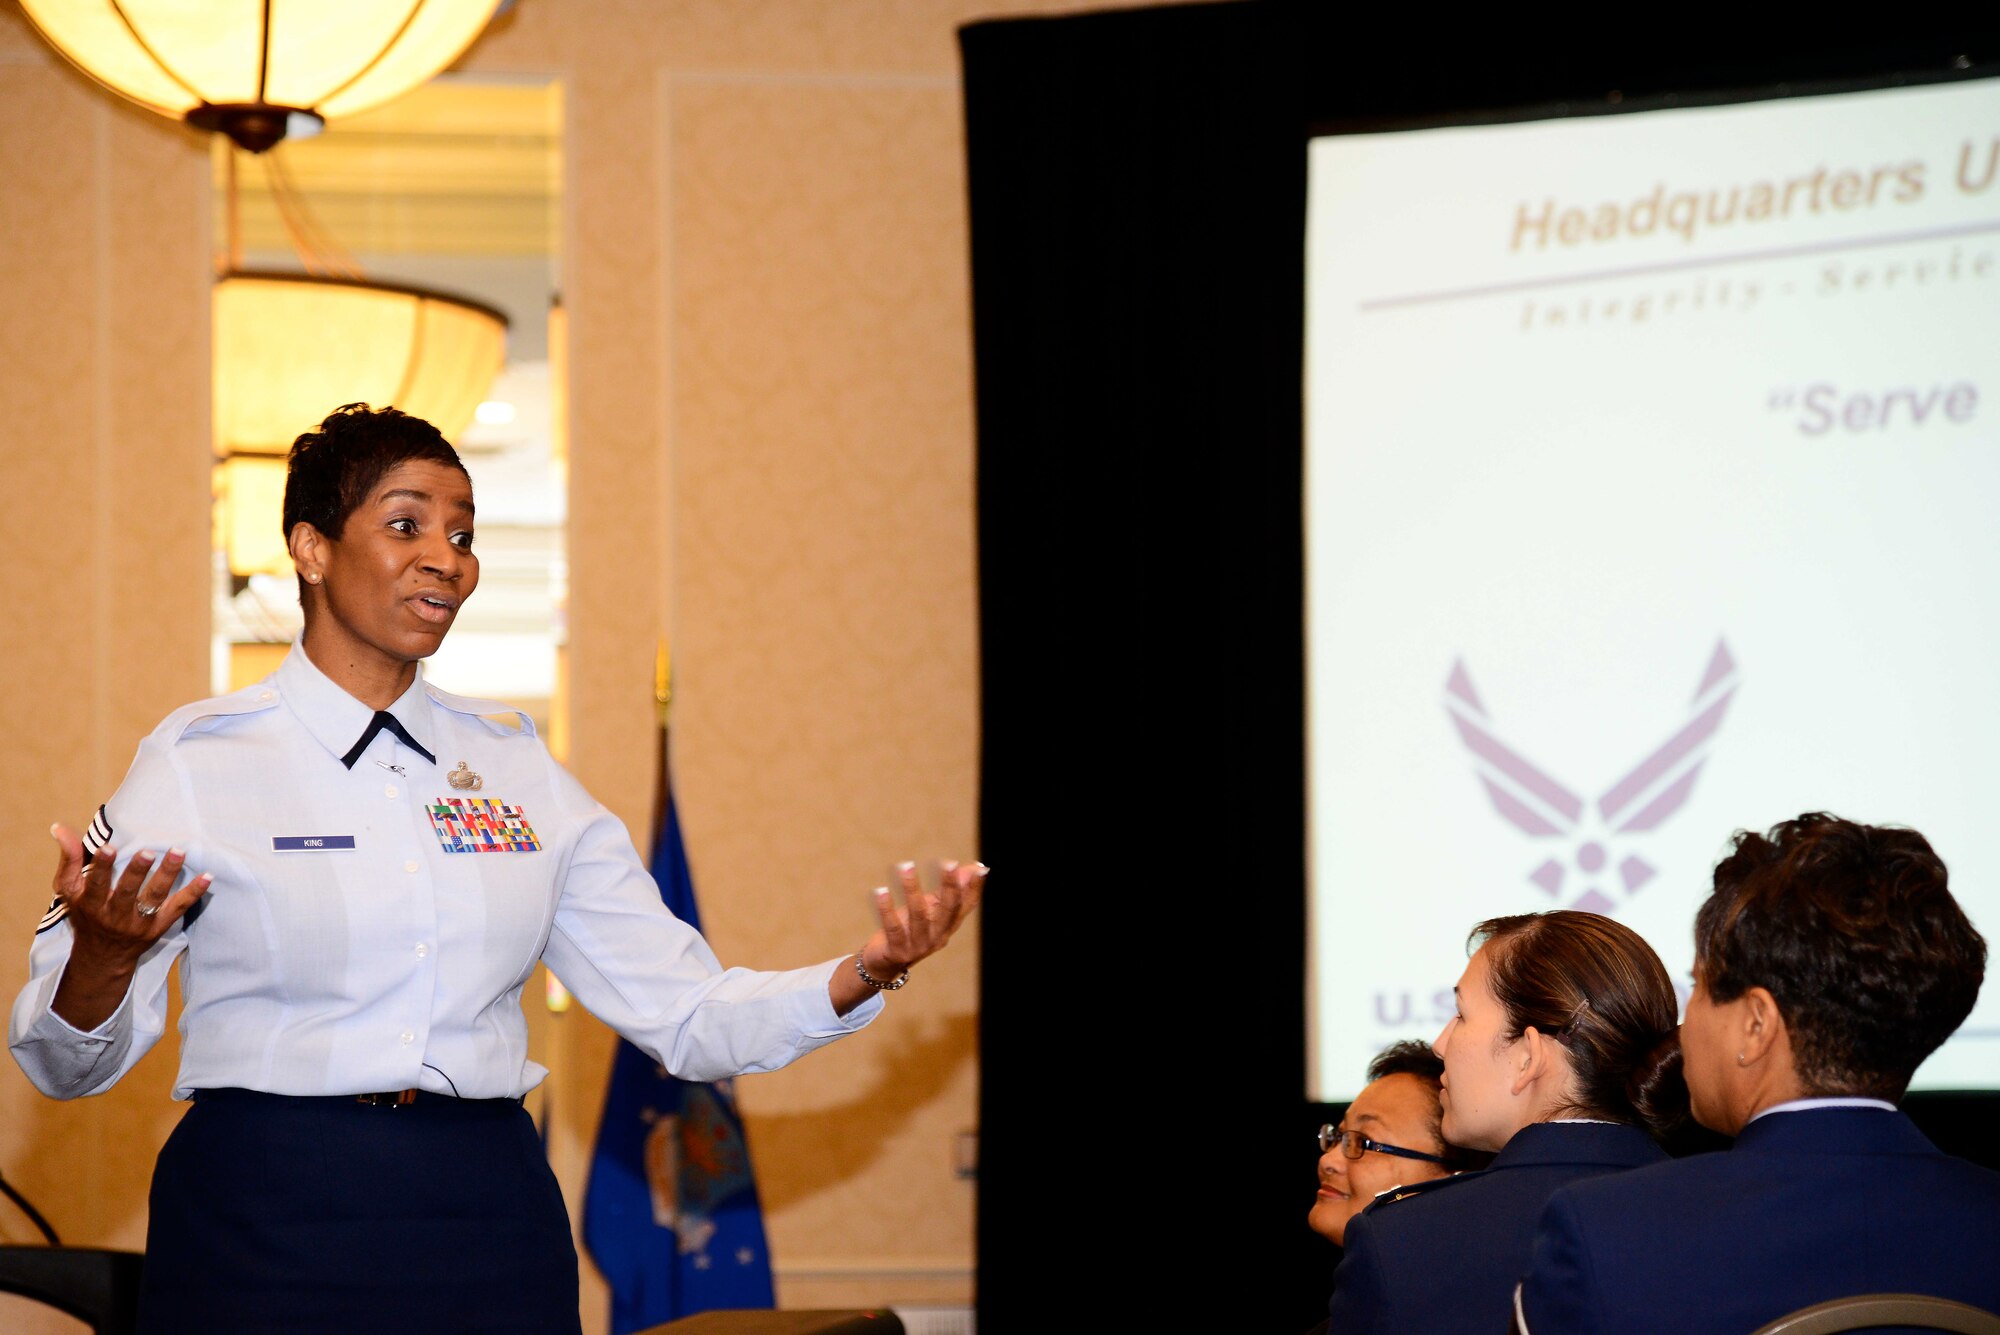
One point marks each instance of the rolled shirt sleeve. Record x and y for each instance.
(60, 1060)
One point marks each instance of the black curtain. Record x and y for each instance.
(1137, 199)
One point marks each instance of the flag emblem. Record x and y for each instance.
(695, 1160)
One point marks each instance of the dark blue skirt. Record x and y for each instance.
(282, 1214)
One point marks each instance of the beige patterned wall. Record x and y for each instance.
(765, 271)
(826, 604)
(103, 548)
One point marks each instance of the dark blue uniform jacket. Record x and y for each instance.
(1443, 1257)
(1808, 1206)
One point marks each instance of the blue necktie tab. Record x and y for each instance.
(384, 720)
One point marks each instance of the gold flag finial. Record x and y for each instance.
(663, 681)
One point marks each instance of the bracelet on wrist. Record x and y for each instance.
(879, 984)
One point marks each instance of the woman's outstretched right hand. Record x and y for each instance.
(115, 921)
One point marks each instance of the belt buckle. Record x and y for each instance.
(393, 1099)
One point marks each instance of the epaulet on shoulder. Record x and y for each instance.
(206, 715)
(504, 720)
(1413, 1190)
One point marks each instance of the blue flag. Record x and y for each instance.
(671, 1213)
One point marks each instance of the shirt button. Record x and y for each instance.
(389, 790)
(422, 950)
(411, 865)
(408, 1038)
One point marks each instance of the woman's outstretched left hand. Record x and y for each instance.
(912, 930)
(922, 924)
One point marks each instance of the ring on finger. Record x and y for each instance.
(148, 910)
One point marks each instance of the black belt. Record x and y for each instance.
(395, 1098)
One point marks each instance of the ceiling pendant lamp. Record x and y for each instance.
(258, 70)
(290, 347)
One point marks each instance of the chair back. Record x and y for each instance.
(1873, 1310)
(96, 1286)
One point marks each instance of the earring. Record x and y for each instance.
(313, 578)
(1739, 1059)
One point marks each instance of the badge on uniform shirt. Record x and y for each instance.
(482, 825)
(312, 843)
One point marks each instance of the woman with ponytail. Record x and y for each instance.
(1563, 1057)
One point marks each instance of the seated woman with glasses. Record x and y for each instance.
(1390, 1137)
(1562, 1057)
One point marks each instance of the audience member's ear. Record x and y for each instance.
(1763, 1026)
(1535, 1059)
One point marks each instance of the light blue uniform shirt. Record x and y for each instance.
(344, 948)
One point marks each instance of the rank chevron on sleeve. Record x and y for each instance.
(95, 837)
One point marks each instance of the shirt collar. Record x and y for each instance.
(335, 718)
(1807, 1105)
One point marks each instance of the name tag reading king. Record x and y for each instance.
(312, 843)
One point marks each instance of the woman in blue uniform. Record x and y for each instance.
(357, 873)
(1563, 1057)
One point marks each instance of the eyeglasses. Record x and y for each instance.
(1353, 1145)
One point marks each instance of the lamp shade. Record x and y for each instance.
(289, 349)
(247, 67)
(249, 512)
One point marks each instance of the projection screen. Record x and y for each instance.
(1650, 484)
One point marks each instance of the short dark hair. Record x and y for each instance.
(331, 470)
(1412, 1056)
(1415, 1057)
(1593, 985)
(1854, 932)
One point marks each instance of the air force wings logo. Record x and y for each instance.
(1597, 833)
